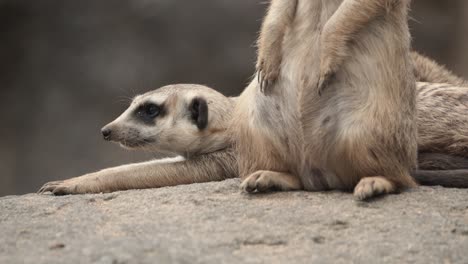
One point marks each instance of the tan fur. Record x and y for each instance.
(214, 166)
(279, 16)
(442, 123)
(363, 123)
(267, 180)
(427, 70)
(437, 116)
(371, 186)
(206, 153)
(173, 133)
(443, 119)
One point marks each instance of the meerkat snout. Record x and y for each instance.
(112, 132)
(106, 133)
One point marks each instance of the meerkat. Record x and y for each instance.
(441, 120)
(334, 104)
(185, 120)
(427, 70)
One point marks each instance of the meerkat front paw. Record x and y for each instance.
(329, 65)
(263, 181)
(334, 50)
(70, 186)
(372, 186)
(324, 80)
(268, 69)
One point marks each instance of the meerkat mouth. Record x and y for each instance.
(134, 143)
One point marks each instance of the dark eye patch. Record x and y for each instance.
(147, 112)
(199, 112)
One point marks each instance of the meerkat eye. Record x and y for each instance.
(149, 110)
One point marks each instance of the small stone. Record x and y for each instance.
(56, 246)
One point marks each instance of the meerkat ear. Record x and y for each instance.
(199, 111)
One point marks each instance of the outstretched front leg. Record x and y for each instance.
(342, 27)
(279, 17)
(215, 166)
(262, 181)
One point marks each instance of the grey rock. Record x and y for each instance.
(216, 223)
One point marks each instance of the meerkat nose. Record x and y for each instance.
(106, 133)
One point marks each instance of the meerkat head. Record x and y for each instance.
(183, 119)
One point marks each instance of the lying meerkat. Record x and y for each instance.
(175, 124)
(427, 70)
(173, 120)
(334, 106)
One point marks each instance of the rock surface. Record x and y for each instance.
(216, 223)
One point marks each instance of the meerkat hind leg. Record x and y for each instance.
(369, 187)
(263, 181)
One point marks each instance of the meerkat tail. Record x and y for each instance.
(215, 166)
(442, 169)
(441, 161)
(445, 178)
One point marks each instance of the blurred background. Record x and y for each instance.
(69, 67)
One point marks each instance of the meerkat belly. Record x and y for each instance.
(365, 121)
(276, 117)
(263, 130)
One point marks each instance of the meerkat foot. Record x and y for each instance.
(263, 181)
(70, 186)
(49, 186)
(372, 186)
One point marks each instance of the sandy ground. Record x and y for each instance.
(216, 223)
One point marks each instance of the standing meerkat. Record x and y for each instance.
(212, 158)
(334, 104)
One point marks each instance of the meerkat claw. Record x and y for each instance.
(48, 187)
(266, 77)
(323, 82)
(261, 83)
(264, 85)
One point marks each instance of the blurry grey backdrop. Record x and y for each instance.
(68, 67)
